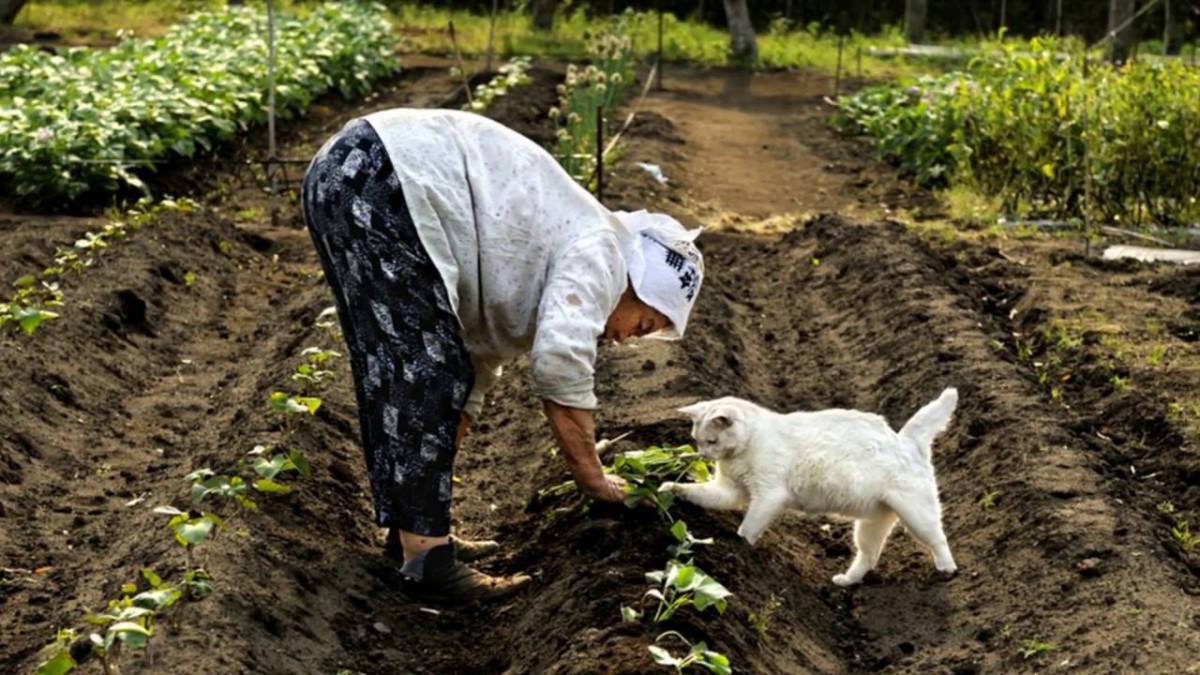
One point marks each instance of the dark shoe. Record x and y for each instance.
(466, 549)
(445, 579)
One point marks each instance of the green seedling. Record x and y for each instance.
(125, 625)
(316, 356)
(189, 278)
(1032, 647)
(327, 319)
(685, 541)
(309, 374)
(91, 241)
(310, 377)
(1166, 507)
(1119, 383)
(206, 482)
(190, 527)
(684, 585)
(58, 655)
(1157, 354)
(196, 583)
(293, 407)
(698, 655)
(645, 470)
(761, 621)
(989, 500)
(1183, 535)
(268, 464)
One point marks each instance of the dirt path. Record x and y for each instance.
(147, 377)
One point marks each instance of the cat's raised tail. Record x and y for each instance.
(931, 420)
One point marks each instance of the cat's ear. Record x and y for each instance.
(695, 410)
(725, 417)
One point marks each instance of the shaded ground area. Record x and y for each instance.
(147, 377)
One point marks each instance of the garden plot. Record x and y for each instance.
(1065, 554)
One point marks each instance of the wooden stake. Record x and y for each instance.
(491, 35)
(837, 82)
(1087, 169)
(599, 153)
(659, 83)
(272, 153)
(466, 81)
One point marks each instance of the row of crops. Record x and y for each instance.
(86, 119)
(1046, 136)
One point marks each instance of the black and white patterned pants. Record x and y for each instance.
(412, 373)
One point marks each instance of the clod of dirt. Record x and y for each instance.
(1089, 567)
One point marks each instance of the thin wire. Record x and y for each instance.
(1113, 33)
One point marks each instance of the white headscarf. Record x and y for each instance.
(665, 267)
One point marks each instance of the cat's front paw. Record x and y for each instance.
(844, 580)
(750, 537)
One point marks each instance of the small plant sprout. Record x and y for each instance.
(268, 464)
(683, 549)
(196, 583)
(189, 278)
(125, 624)
(1119, 383)
(761, 621)
(310, 374)
(327, 319)
(683, 586)
(206, 482)
(645, 470)
(292, 407)
(1032, 647)
(989, 500)
(1157, 354)
(1183, 535)
(58, 655)
(1167, 507)
(698, 655)
(190, 527)
(318, 356)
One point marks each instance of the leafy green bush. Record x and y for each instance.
(1026, 126)
(82, 119)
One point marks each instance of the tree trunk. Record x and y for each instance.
(914, 20)
(743, 46)
(1173, 34)
(543, 14)
(9, 10)
(1120, 13)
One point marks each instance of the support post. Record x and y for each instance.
(599, 153)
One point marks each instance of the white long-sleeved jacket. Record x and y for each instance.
(531, 261)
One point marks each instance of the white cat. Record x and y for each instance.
(831, 461)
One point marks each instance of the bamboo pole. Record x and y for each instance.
(466, 81)
(272, 149)
(599, 153)
(491, 35)
(659, 63)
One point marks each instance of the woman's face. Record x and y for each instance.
(633, 318)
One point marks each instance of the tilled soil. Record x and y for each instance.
(1052, 477)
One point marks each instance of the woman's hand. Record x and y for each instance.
(608, 488)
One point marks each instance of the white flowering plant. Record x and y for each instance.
(83, 119)
(584, 97)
